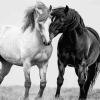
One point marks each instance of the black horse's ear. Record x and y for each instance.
(66, 9)
(50, 8)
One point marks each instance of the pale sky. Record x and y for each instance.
(12, 13)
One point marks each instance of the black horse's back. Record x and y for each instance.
(94, 32)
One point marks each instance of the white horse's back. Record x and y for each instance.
(9, 48)
(9, 32)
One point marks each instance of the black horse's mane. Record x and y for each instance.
(71, 19)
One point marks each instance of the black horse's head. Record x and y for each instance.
(58, 21)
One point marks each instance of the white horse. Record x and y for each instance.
(25, 46)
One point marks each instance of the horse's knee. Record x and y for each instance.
(27, 84)
(82, 78)
(43, 85)
(81, 82)
(60, 81)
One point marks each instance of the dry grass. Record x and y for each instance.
(17, 92)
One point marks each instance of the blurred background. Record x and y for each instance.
(12, 13)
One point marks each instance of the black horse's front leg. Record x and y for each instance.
(60, 79)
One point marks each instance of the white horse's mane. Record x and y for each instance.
(30, 13)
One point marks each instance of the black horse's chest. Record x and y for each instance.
(70, 50)
(66, 51)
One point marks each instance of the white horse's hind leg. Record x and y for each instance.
(42, 73)
(6, 66)
(27, 66)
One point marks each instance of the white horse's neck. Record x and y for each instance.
(35, 34)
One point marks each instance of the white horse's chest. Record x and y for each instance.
(43, 55)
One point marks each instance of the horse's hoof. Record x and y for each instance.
(81, 99)
(38, 98)
(25, 98)
(58, 98)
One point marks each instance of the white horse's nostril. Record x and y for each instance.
(47, 44)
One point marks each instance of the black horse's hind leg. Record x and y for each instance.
(60, 79)
(6, 66)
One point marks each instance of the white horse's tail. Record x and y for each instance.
(2, 29)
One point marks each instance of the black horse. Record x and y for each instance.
(78, 47)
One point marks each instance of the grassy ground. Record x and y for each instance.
(17, 93)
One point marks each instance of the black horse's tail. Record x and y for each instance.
(94, 72)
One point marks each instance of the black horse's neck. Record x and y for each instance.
(70, 37)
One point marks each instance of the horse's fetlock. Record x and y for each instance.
(81, 81)
(60, 81)
(43, 84)
(28, 84)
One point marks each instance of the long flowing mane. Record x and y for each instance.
(29, 19)
(71, 18)
(31, 13)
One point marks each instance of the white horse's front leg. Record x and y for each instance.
(42, 73)
(26, 68)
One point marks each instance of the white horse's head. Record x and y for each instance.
(44, 21)
(39, 17)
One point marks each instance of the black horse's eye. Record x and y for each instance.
(63, 19)
(53, 19)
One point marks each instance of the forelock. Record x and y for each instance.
(41, 6)
(43, 17)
